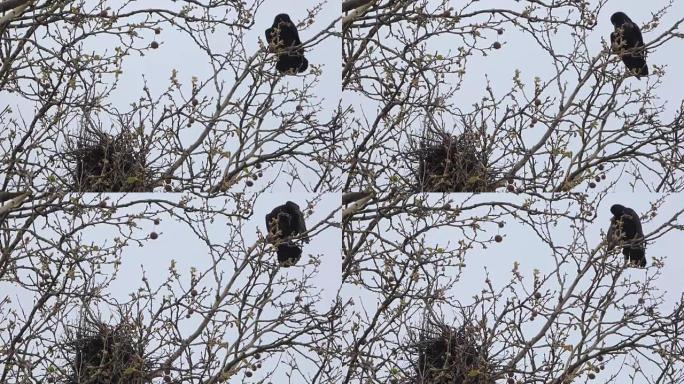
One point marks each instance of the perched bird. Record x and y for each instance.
(283, 224)
(625, 228)
(283, 33)
(627, 42)
(283, 37)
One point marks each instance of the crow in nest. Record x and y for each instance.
(627, 42)
(283, 223)
(282, 37)
(625, 228)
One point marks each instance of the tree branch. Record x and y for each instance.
(353, 4)
(11, 4)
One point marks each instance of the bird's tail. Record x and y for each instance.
(640, 71)
(304, 65)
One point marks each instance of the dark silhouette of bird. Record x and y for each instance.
(627, 42)
(292, 63)
(283, 38)
(625, 228)
(284, 224)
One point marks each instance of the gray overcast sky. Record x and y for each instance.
(523, 53)
(179, 243)
(520, 51)
(522, 245)
(176, 241)
(178, 52)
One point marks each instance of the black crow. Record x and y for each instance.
(627, 42)
(625, 228)
(282, 37)
(283, 223)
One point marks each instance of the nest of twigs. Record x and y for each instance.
(102, 162)
(106, 354)
(448, 355)
(453, 163)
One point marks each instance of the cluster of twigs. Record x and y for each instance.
(102, 162)
(448, 355)
(106, 354)
(453, 163)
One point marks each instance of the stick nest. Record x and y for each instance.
(106, 354)
(453, 163)
(102, 162)
(447, 355)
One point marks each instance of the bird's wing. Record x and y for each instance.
(298, 220)
(296, 34)
(304, 65)
(297, 41)
(301, 226)
(269, 35)
(637, 34)
(637, 222)
(269, 222)
(629, 226)
(632, 35)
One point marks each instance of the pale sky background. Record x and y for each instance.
(520, 51)
(178, 242)
(178, 52)
(523, 53)
(520, 244)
